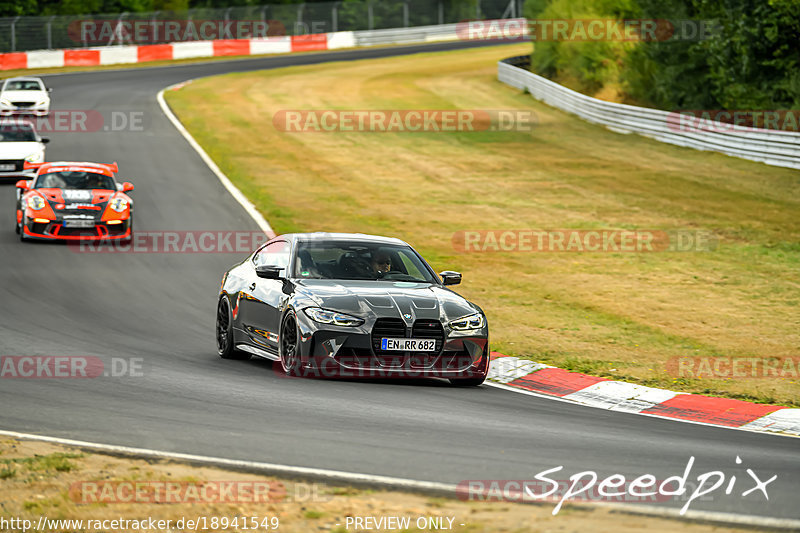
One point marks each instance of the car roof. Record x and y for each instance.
(24, 78)
(321, 236)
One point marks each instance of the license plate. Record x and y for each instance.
(7, 167)
(408, 345)
(79, 223)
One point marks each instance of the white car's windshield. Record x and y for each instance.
(23, 85)
(17, 133)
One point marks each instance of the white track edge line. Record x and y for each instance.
(395, 483)
(226, 182)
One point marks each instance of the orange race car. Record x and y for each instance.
(74, 201)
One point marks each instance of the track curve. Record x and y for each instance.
(160, 308)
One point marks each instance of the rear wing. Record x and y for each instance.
(112, 168)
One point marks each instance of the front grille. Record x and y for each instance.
(24, 104)
(18, 164)
(63, 231)
(386, 327)
(429, 329)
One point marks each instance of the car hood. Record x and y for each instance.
(19, 150)
(398, 299)
(24, 96)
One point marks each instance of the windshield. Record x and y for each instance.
(353, 260)
(23, 85)
(75, 180)
(17, 133)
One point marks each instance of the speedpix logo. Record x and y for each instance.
(589, 486)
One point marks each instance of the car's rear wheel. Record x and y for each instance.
(224, 331)
(288, 346)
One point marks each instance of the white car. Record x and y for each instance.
(24, 96)
(19, 143)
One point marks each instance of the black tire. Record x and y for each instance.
(16, 228)
(224, 332)
(467, 382)
(288, 345)
(20, 232)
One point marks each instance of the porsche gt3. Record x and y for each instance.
(70, 201)
(350, 305)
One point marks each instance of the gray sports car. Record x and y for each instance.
(350, 305)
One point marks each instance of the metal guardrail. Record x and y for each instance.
(20, 34)
(773, 147)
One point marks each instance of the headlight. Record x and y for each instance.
(323, 316)
(468, 322)
(36, 203)
(35, 158)
(119, 204)
(5, 101)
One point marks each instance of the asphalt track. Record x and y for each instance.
(160, 308)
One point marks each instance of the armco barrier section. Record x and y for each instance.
(117, 55)
(773, 147)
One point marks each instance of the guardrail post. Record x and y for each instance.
(335, 17)
(153, 24)
(369, 15)
(441, 12)
(50, 32)
(299, 22)
(14, 34)
(478, 9)
(405, 13)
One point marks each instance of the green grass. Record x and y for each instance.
(54, 462)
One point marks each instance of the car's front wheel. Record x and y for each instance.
(289, 345)
(224, 332)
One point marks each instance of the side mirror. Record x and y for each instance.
(22, 184)
(269, 271)
(127, 186)
(49, 89)
(45, 140)
(450, 278)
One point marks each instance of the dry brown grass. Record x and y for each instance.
(611, 314)
(34, 493)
